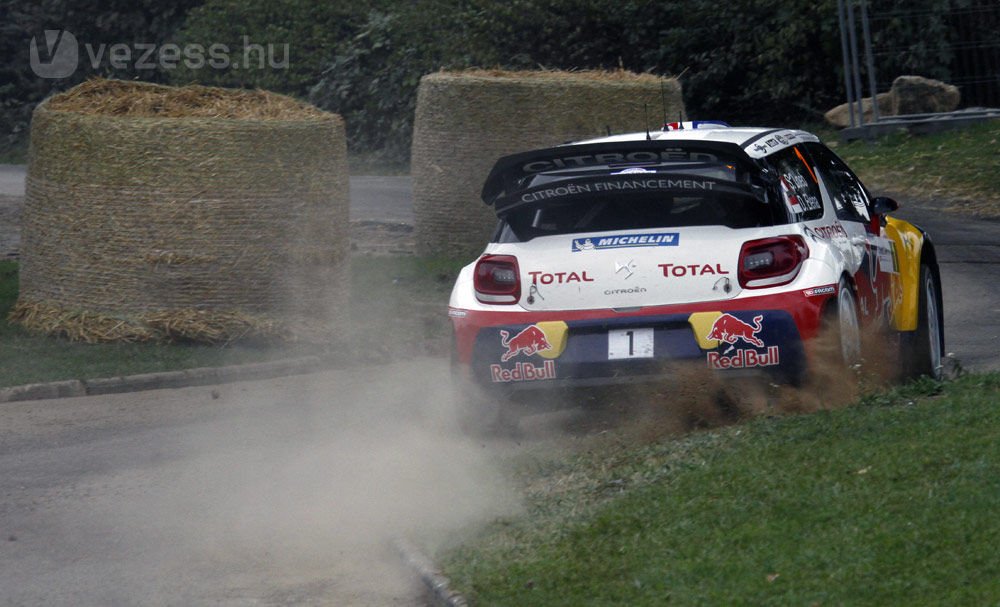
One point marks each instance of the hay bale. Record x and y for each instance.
(466, 120)
(197, 213)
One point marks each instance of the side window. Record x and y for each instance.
(849, 197)
(798, 184)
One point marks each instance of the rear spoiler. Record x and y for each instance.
(508, 185)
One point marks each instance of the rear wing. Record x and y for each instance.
(599, 169)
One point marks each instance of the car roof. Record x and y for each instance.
(757, 142)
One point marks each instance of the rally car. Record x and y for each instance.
(731, 248)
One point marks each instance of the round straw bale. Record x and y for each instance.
(196, 213)
(466, 120)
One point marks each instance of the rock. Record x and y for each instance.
(840, 116)
(919, 95)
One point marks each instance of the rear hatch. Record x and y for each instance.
(629, 268)
(627, 224)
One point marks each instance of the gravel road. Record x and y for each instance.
(279, 492)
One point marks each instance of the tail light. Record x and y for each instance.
(497, 279)
(770, 262)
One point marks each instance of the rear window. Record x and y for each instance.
(638, 211)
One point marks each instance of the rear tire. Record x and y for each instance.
(846, 326)
(838, 346)
(922, 350)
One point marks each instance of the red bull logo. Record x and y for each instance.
(745, 359)
(528, 342)
(727, 328)
(523, 372)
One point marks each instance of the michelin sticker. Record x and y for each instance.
(627, 241)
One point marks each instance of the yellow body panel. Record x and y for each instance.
(557, 334)
(701, 323)
(908, 241)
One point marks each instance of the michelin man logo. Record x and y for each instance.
(62, 55)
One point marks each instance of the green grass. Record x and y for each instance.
(398, 307)
(890, 502)
(15, 154)
(962, 166)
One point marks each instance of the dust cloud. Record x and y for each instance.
(691, 397)
(292, 493)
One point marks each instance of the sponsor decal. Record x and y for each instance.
(548, 278)
(830, 232)
(529, 341)
(546, 339)
(628, 291)
(729, 329)
(455, 313)
(523, 371)
(775, 142)
(745, 359)
(626, 241)
(622, 185)
(694, 269)
(887, 256)
(817, 291)
(607, 158)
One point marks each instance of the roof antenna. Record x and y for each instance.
(607, 127)
(663, 100)
(680, 120)
(645, 117)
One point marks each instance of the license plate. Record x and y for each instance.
(630, 343)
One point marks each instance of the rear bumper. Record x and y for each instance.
(522, 350)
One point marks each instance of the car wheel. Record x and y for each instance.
(837, 349)
(848, 330)
(923, 349)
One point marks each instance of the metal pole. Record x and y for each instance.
(869, 58)
(853, 36)
(847, 62)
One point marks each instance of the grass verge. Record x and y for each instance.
(397, 306)
(960, 166)
(892, 501)
(15, 154)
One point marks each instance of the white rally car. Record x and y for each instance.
(729, 247)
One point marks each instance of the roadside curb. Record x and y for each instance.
(431, 576)
(201, 376)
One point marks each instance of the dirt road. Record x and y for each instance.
(269, 493)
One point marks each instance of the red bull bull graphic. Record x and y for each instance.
(729, 329)
(529, 341)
